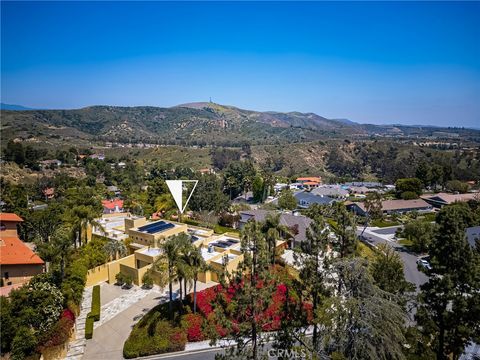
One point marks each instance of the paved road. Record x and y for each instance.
(412, 274)
(387, 231)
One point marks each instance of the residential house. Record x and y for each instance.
(333, 191)
(306, 199)
(18, 262)
(112, 206)
(393, 206)
(310, 182)
(9, 223)
(297, 223)
(441, 199)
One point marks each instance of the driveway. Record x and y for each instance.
(121, 310)
(412, 274)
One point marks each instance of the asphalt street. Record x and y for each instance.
(412, 274)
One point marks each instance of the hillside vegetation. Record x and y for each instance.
(188, 124)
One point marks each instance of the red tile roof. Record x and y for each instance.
(14, 252)
(110, 204)
(10, 217)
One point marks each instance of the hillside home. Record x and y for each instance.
(18, 262)
(112, 206)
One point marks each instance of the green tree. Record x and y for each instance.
(449, 304)
(208, 195)
(171, 253)
(410, 185)
(274, 231)
(7, 319)
(457, 186)
(258, 188)
(254, 289)
(420, 233)
(194, 259)
(286, 200)
(57, 250)
(362, 322)
(312, 262)
(344, 227)
(115, 248)
(387, 271)
(373, 205)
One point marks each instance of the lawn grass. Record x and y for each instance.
(381, 223)
(406, 243)
(157, 332)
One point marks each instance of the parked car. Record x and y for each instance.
(422, 262)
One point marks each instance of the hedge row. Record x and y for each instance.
(89, 328)
(94, 314)
(95, 311)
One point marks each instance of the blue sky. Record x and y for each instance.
(405, 62)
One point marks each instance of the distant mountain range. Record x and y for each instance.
(195, 123)
(13, 107)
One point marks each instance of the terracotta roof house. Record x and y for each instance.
(112, 206)
(18, 262)
(8, 224)
(393, 206)
(442, 199)
(310, 182)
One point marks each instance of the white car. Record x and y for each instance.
(424, 263)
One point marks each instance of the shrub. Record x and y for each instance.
(128, 281)
(58, 335)
(147, 281)
(193, 325)
(23, 344)
(95, 311)
(166, 338)
(89, 327)
(120, 278)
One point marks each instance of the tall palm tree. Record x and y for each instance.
(196, 263)
(171, 250)
(81, 217)
(274, 231)
(115, 248)
(181, 263)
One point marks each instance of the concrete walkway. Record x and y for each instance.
(76, 348)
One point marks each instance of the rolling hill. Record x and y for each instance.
(193, 124)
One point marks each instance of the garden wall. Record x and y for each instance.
(107, 272)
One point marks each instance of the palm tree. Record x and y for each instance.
(196, 263)
(274, 231)
(115, 248)
(181, 263)
(171, 253)
(80, 218)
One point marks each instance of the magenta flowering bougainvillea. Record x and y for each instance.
(271, 318)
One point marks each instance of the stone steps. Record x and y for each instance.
(76, 348)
